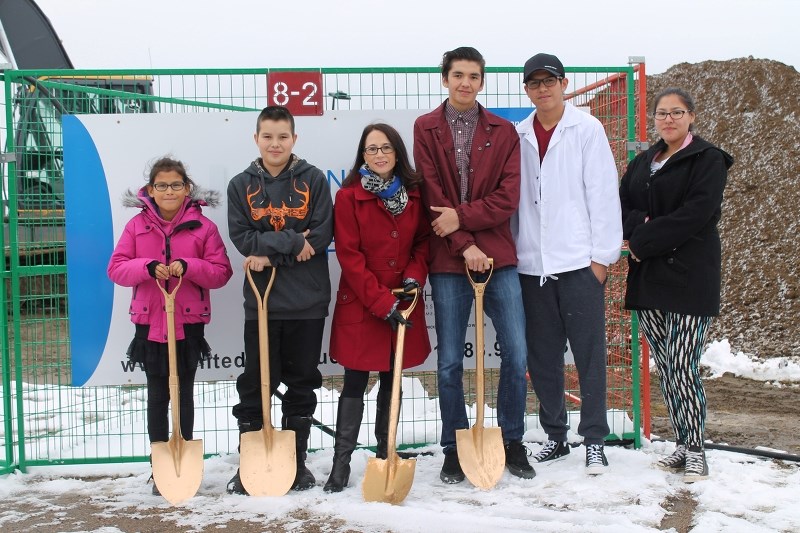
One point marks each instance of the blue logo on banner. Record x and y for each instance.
(90, 239)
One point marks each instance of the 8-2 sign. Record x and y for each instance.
(300, 92)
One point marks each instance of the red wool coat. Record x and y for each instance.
(376, 251)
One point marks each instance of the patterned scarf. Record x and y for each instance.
(392, 192)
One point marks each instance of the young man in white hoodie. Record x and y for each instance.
(568, 230)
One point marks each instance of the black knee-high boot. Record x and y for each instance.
(301, 425)
(382, 411)
(348, 422)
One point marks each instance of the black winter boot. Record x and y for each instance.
(348, 422)
(155, 491)
(235, 486)
(382, 411)
(301, 425)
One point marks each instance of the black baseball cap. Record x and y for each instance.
(547, 62)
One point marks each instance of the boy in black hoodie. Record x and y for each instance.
(280, 214)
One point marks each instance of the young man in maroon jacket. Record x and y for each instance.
(469, 160)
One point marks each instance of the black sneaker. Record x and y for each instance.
(696, 466)
(517, 460)
(451, 470)
(551, 450)
(235, 485)
(675, 461)
(596, 462)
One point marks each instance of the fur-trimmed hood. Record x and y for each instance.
(198, 195)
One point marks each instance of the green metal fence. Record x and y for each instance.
(48, 421)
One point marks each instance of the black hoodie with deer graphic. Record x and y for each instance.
(267, 217)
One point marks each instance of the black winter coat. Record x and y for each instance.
(679, 245)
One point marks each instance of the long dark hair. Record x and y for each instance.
(402, 168)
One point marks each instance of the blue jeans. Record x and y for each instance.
(453, 297)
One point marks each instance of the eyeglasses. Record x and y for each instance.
(176, 186)
(548, 82)
(677, 114)
(372, 150)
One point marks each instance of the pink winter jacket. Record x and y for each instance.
(189, 236)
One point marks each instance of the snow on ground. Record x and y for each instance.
(744, 493)
(719, 359)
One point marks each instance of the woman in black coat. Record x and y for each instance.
(671, 199)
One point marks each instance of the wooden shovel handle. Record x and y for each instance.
(479, 288)
(394, 410)
(407, 311)
(172, 351)
(263, 347)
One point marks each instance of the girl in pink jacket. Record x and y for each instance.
(170, 238)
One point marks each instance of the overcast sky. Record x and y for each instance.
(356, 33)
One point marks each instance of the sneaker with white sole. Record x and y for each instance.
(551, 450)
(596, 462)
(696, 466)
(675, 461)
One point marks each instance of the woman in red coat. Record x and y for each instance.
(381, 237)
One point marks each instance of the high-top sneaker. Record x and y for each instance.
(596, 462)
(696, 467)
(675, 461)
(551, 451)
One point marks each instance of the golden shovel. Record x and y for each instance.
(480, 450)
(177, 463)
(267, 458)
(389, 480)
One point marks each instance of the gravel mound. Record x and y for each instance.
(751, 109)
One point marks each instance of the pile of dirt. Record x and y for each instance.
(751, 109)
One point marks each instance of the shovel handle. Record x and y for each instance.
(475, 284)
(405, 313)
(479, 288)
(263, 347)
(397, 377)
(172, 351)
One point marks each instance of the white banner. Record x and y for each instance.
(105, 155)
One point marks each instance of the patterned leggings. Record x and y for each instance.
(676, 342)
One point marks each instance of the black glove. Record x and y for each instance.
(395, 319)
(409, 285)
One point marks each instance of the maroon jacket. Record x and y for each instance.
(376, 251)
(494, 188)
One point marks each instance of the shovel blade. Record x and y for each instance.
(388, 480)
(481, 455)
(177, 468)
(268, 461)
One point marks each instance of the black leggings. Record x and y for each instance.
(355, 382)
(158, 406)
